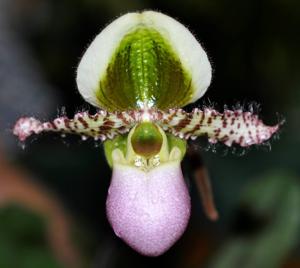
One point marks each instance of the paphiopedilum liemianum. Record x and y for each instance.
(140, 70)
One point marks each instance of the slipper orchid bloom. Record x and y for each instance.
(140, 71)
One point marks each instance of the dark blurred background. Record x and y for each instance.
(52, 193)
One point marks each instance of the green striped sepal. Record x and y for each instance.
(143, 60)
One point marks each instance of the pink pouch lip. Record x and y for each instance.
(149, 210)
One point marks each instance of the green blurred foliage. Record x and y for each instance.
(23, 240)
(270, 208)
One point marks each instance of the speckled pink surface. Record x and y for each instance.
(148, 210)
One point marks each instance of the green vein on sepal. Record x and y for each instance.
(144, 70)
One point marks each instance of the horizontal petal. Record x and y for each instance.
(243, 128)
(101, 125)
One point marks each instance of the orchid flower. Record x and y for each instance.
(140, 71)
